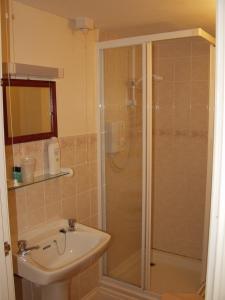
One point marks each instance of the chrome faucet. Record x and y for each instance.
(71, 223)
(23, 249)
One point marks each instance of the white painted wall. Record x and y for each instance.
(44, 39)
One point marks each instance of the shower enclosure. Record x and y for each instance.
(155, 138)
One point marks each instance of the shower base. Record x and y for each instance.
(169, 272)
(174, 273)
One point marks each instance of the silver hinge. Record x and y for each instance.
(7, 248)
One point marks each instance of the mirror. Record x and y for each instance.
(29, 110)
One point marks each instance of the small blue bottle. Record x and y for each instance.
(16, 174)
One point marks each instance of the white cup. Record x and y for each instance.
(27, 169)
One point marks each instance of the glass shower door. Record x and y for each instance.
(122, 161)
(181, 134)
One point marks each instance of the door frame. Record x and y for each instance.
(215, 288)
(7, 290)
(208, 190)
(101, 161)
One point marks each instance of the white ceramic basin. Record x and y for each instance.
(60, 255)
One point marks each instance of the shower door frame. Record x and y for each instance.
(101, 152)
(146, 42)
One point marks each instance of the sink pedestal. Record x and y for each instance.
(56, 291)
(27, 290)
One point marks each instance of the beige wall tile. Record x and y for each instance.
(200, 47)
(37, 217)
(94, 222)
(83, 178)
(200, 93)
(155, 50)
(199, 118)
(69, 208)
(56, 197)
(67, 149)
(181, 121)
(169, 48)
(93, 179)
(165, 94)
(53, 211)
(94, 201)
(84, 205)
(22, 223)
(200, 68)
(68, 186)
(81, 149)
(36, 150)
(35, 196)
(52, 189)
(182, 94)
(165, 69)
(182, 68)
(45, 156)
(198, 158)
(21, 201)
(92, 147)
(86, 222)
(164, 119)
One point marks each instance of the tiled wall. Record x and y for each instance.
(180, 137)
(63, 197)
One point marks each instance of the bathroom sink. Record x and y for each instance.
(60, 255)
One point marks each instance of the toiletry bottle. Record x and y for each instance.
(53, 156)
(16, 173)
(28, 168)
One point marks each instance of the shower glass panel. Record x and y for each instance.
(180, 144)
(121, 121)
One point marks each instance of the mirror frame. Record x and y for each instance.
(30, 83)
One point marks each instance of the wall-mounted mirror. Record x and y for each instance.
(29, 110)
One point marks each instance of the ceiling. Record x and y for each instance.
(135, 17)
